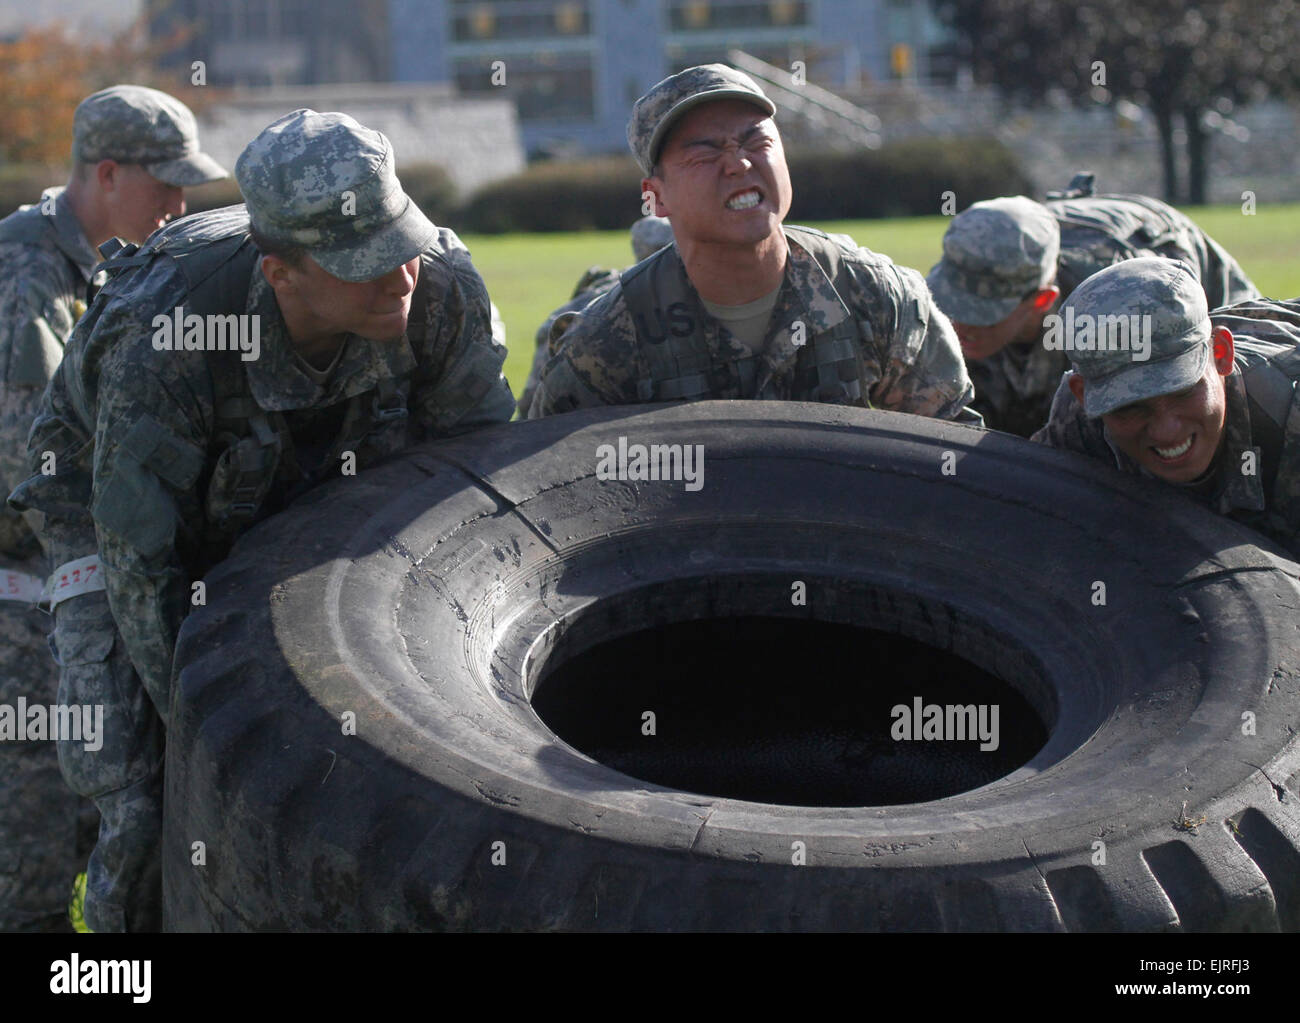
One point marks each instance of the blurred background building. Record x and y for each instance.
(572, 67)
(88, 18)
(479, 86)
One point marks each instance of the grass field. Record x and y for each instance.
(528, 275)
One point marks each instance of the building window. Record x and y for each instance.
(695, 14)
(778, 54)
(482, 22)
(474, 20)
(703, 15)
(545, 86)
(570, 19)
(785, 12)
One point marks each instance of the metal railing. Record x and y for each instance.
(827, 114)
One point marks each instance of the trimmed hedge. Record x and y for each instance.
(602, 193)
(432, 190)
(906, 178)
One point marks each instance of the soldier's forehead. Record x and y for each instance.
(709, 120)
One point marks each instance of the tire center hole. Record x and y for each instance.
(789, 711)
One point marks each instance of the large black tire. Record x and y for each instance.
(425, 597)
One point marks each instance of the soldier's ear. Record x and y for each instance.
(278, 273)
(1075, 383)
(1223, 350)
(1046, 298)
(106, 174)
(652, 186)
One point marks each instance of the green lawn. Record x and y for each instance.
(528, 275)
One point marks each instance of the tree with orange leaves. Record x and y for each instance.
(46, 72)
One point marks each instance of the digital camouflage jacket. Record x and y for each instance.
(45, 265)
(1014, 387)
(849, 327)
(191, 447)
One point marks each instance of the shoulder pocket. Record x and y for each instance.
(175, 461)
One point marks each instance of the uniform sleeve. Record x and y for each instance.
(595, 360)
(34, 320)
(56, 495)
(464, 389)
(36, 315)
(18, 408)
(148, 456)
(912, 348)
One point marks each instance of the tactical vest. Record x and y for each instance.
(669, 324)
(249, 446)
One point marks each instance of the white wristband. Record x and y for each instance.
(20, 587)
(73, 579)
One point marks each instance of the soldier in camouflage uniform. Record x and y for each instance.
(1009, 262)
(649, 235)
(133, 150)
(741, 306)
(1209, 410)
(373, 333)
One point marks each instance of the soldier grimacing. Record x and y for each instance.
(374, 332)
(740, 306)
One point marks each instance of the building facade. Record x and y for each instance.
(279, 42)
(574, 67)
(571, 67)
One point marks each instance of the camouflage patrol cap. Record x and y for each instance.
(654, 114)
(132, 124)
(649, 235)
(324, 183)
(995, 255)
(1178, 330)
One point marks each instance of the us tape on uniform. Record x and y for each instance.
(74, 578)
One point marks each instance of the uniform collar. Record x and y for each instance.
(807, 305)
(68, 236)
(278, 382)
